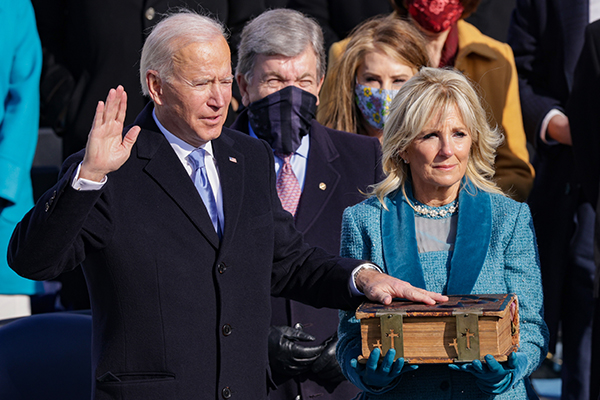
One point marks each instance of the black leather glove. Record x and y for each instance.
(326, 366)
(286, 356)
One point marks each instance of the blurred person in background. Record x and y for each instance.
(380, 56)
(547, 38)
(20, 70)
(339, 17)
(453, 42)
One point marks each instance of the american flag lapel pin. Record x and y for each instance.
(233, 160)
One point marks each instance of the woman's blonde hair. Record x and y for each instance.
(433, 93)
(396, 38)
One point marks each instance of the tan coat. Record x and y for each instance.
(491, 65)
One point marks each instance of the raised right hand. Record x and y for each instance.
(106, 148)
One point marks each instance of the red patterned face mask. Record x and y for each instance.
(435, 15)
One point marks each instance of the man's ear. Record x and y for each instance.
(155, 88)
(319, 86)
(243, 85)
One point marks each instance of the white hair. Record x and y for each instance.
(173, 33)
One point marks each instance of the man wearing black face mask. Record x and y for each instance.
(320, 172)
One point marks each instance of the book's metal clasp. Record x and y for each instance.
(391, 334)
(467, 335)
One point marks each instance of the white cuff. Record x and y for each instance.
(85, 184)
(353, 289)
(544, 128)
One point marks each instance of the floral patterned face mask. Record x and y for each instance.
(374, 103)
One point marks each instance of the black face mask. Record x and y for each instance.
(283, 118)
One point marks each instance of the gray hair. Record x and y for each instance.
(279, 32)
(170, 35)
(433, 93)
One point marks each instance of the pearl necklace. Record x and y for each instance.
(436, 213)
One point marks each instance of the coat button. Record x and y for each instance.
(445, 386)
(47, 207)
(226, 393)
(226, 330)
(150, 13)
(221, 268)
(298, 326)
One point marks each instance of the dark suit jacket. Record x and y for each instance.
(339, 166)
(546, 37)
(583, 107)
(176, 314)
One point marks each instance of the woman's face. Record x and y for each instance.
(381, 71)
(438, 157)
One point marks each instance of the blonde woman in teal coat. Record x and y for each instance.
(439, 222)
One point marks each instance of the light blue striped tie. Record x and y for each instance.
(202, 184)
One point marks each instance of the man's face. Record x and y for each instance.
(273, 73)
(193, 105)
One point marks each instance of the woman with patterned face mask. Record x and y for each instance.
(381, 55)
(453, 42)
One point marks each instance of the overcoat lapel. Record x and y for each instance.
(400, 251)
(167, 171)
(231, 173)
(321, 178)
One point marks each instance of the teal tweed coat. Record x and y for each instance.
(495, 252)
(20, 68)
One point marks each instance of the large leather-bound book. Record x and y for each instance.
(465, 328)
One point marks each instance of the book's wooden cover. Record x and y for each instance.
(429, 333)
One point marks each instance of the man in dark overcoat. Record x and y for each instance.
(280, 72)
(181, 235)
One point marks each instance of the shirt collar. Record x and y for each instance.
(302, 151)
(181, 148)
